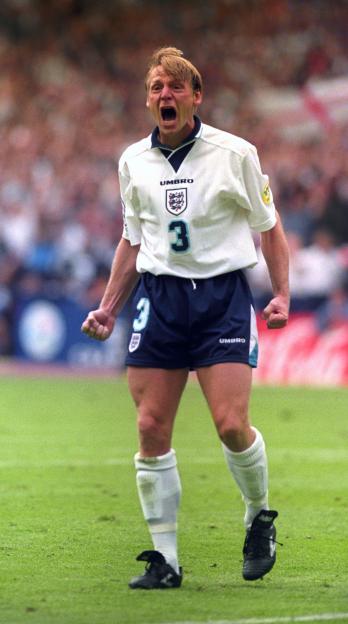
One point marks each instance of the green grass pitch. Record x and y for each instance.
(71, 525)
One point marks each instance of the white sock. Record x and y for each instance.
(159, 491)
(250, 471)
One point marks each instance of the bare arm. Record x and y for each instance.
(275, 250)
(123, 277)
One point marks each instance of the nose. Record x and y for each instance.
(166, 92)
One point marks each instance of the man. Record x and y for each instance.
(190, 194)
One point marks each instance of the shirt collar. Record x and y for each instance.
(193, 135)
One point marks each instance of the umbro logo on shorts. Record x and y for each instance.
(232, 340)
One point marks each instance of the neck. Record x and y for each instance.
(175, 139)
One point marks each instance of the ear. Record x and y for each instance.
(197, 98)
(147, 103)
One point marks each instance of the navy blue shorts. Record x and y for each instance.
(184, 323)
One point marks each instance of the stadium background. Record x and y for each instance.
(72, 97)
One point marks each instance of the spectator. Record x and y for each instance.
(68, 109)
(334, 311)
(336, 210)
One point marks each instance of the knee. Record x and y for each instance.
(232, 426)
(148, 425)
(154, 433)
(230, 431)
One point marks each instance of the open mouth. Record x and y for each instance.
(168, 113)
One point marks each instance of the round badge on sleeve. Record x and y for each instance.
(267, 195)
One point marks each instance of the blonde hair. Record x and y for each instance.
(175, 64)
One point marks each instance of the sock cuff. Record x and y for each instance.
(160, 462)
(245, 456)
(164, 527)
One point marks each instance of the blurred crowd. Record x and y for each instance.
(72, 98)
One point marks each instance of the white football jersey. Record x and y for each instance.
(196, 222)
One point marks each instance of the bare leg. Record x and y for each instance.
(227, 390)
(156, 393)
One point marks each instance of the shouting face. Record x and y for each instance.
(172, 103)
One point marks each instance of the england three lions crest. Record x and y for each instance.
(176, 200)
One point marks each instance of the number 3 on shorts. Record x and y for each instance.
(182, 240)
(140, 321)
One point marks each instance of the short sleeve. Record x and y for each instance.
(257, 193)
(131, 224)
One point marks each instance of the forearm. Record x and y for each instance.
(275, 251)
(123, 278)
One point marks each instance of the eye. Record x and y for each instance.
(155, 87)
(177, 86)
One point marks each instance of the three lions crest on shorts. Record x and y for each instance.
(134, 342)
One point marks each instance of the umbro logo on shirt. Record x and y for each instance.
(181, 181)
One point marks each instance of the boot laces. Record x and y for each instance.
(256, 544)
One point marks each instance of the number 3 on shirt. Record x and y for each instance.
(182, 240)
